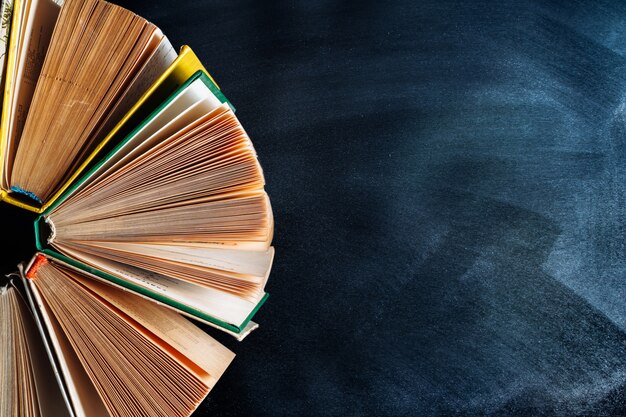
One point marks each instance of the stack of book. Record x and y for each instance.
(151, 206)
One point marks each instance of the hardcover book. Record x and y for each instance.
(73, 346)
(145, 178)
(151, 207)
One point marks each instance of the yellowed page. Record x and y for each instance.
(49, 398)
(40, 20)
(178, 113)
(95, 54)
(170, 327)
(161, 58)
(84, 398)
(7, 341)
(253, 263)
(218, 304)
(133, 371)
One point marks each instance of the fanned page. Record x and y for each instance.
(123, 355)
(34, 24)
(30, 388)
(181, 199)
(100, 60)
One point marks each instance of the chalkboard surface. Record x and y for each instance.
(449, 189)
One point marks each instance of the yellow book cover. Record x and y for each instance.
(7, 95)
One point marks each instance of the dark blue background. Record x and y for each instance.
(449, 187)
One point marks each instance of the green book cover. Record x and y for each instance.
(41, 228)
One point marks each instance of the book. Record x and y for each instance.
(170, 203)
(88, 98)
(168, 215)
(75, 347)
(152, 77)
(23, 359)
(152, 207)
(183, 67)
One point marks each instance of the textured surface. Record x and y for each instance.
(449, 187)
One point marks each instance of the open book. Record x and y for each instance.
(72, 346)
(142, 173)
(54, 63)
(177, 210)
(29, 382)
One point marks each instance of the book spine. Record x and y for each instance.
(39, 260)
